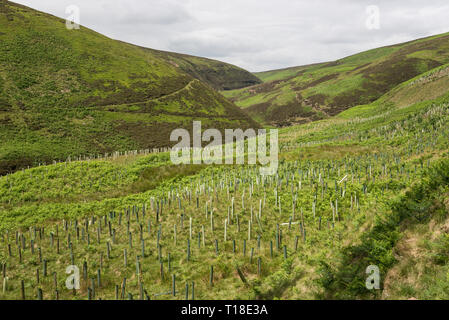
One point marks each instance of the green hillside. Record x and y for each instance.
(426, 86)
(70, 92)
(302, 94)
(219, 75)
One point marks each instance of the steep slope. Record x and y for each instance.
(219, 75)
(428, 86)
(69, 92)
(301, 94)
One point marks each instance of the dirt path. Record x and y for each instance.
(186, 87)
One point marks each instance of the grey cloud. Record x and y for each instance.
(215, 43)
(258, 34)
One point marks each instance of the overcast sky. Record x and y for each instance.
(259, 35)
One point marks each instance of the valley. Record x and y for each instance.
(88, 188)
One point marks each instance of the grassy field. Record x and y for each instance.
(301, 94)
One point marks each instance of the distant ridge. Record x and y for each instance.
(306, 93)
